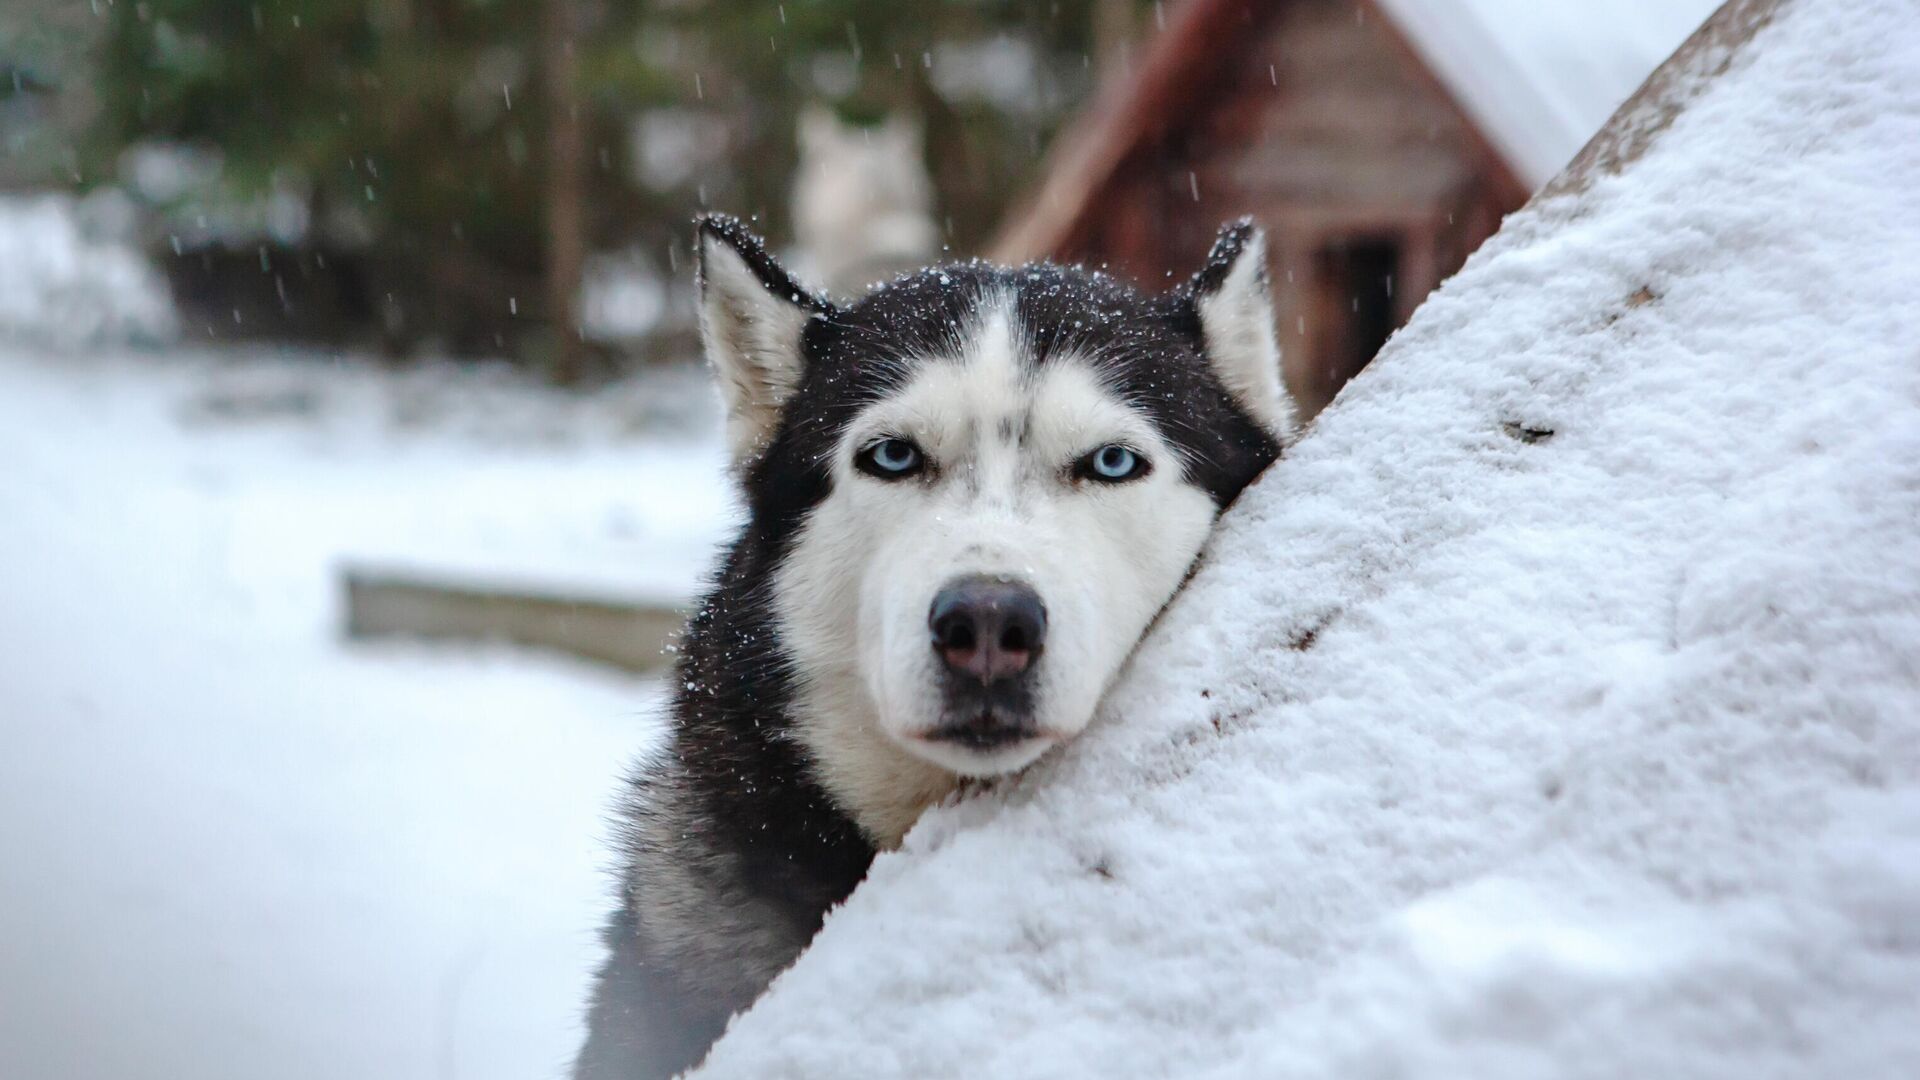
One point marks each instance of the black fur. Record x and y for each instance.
(748, 797)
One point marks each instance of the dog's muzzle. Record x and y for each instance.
(988, 633)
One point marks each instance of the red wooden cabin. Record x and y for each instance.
(1378, 141)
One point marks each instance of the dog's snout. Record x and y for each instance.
(988, 628)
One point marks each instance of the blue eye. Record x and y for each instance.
(1111, 464)
(890, 459)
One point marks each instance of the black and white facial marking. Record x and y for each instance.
(983, 484)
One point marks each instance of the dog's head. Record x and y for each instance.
(982, 483)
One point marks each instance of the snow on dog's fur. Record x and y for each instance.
(968, 494)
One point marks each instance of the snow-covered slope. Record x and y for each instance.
(1552, 710)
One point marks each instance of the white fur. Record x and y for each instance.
(854, 595)
(752, 338)
(1237, 319)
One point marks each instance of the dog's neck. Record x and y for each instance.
(882, 787)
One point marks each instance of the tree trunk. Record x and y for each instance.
(566, 186)
(1113, 33)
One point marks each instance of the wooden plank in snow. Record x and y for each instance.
(627, 633)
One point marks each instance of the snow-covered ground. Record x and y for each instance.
(1552, 710)
(234, 846)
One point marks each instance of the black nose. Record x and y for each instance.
(987, 628)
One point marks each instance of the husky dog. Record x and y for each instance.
(968, 494)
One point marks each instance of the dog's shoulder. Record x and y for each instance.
(708, 915)
(730, 853)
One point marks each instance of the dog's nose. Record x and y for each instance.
(987, 628)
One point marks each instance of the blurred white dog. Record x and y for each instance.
(862, 202)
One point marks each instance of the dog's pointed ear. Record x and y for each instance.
(752, 317)
(1234, 304)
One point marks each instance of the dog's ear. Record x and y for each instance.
(1234, 304)
(752, 316)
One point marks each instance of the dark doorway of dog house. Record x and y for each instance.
(1352, 289)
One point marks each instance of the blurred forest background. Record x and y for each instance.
(446, 175)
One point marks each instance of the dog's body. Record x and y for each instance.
(968, 495)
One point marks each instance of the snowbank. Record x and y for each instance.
(62, 287)
(1552, 710)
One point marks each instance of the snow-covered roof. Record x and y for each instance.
(1550, 710)
(1540, 78)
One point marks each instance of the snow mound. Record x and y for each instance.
(1552, 710)
(62, 287)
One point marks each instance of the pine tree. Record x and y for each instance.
(477, 149)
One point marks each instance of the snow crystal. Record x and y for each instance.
(1551, 710)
